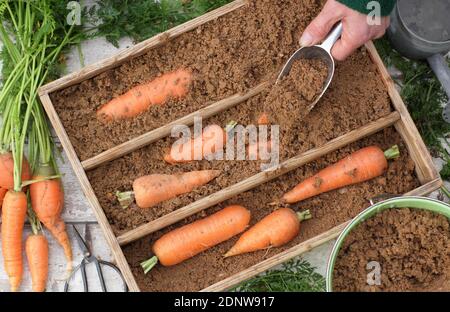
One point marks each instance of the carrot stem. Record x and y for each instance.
(125, 198)
(230, 126)
(392, 153)
(29, 182)
(445, 191)
(304, 215)
(147, 265)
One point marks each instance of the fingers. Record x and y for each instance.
(349, 42)
(356, 32)
(319, 28)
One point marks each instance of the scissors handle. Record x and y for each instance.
(100, 274)
(115, 268)
(84, 276)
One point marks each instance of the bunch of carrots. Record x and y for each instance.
(28, 188)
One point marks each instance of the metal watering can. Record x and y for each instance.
(421, 30)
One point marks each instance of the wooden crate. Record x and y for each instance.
(400, 118)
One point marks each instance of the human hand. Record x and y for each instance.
(356, 29)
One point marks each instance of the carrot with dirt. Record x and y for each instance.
(189, 240)
(362, 165)
(140, 98)
(274, 230)
(155, 188)
(46, 191)
(36, 249)
(212, 139)
(47, 200)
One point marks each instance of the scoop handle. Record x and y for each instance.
(331, 39)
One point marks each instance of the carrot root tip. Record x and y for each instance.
(125, 198)
(392, 153)
(304, 215)
(147, 265)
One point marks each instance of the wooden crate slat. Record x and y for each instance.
(258, 179)
(161, 132)
(301, 248)
(89, 193)
(138, 49)
(416, 147)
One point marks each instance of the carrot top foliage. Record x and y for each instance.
(142, 19)
(423, 96)
(295, 276)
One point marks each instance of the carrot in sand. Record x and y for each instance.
(36, 248)
(14, 211)
(189, 240)
(7, 170)
(139, 99)
(155, 188)
(263, 119)
(213, 139)
(360, 166)
(274, 230)
(47, 201)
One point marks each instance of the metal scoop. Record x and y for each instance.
(322, 52)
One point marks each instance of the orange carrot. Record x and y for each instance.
(263, 119)
(155, 188)
(2, 195)
(360, 166)
(47, 200)
(274, 230)
(212, 140)
(13, 218)
(139, 99)
(7, 171)
(36, 248)
(187, 241)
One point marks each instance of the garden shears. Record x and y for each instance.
(90, 258)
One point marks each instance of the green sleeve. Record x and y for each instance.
(361, 5)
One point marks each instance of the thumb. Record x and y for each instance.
(319, 28)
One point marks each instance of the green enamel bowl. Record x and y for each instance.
(413, 202)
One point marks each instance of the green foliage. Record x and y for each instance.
(55, 29)
(424, 96)
(295, 276)
(141, 19)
